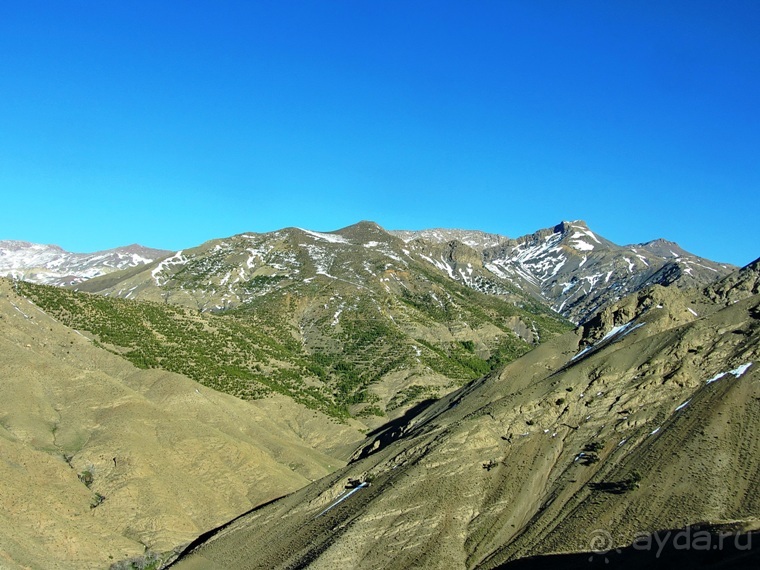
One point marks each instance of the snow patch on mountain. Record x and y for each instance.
(176, 259)
(442, 265)
(255, 254)
(322, 259)
(581, 245)
(613, 335)
(736, 372)
(332, 238)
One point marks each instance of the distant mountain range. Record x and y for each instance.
(352, 323)
(567, 267)
(356, 322)
(51, 265)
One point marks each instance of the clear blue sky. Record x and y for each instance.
(172, 122)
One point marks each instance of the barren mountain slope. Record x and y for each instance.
(171, 458)
(645, 419)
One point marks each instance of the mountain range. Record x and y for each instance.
(568, 266)
(500, 395)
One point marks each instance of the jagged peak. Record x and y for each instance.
(567, 226)
(566, 230)
(660, 241)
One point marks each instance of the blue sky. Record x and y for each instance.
(171, 123)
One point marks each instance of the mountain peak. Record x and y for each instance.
(18, 245)
(660, 241)
(664, 248)
(567, 226)
(476, 239)
(363, 232)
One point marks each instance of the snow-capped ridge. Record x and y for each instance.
(568, 267)
(52, 265)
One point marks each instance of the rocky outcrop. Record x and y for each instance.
(737, 286)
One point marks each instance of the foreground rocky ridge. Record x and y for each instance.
(644, 419)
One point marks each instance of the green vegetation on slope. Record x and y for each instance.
(229, 354)
(256, 349)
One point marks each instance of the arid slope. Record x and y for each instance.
(171, 458)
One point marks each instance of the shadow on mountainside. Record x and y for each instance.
(690, 547)
(391, 431)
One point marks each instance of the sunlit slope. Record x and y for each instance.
(645, 419)
(101, 460)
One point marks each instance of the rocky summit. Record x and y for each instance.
(367, 398)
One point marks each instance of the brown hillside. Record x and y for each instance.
(171, 457)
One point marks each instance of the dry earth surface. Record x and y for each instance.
(171, 457)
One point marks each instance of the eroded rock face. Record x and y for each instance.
(671, 303)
